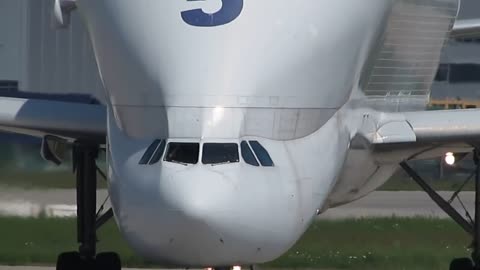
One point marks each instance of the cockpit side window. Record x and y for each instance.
(183, 153)
(148, 153)
(220, 153)
(247, 154)
(261, 154)
(159, 153)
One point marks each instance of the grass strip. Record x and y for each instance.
(384, 243)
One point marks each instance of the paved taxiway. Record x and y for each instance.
(400, 204)
(376, 204)
(32, 203)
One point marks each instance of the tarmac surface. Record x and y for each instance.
(51, 202)
(377, 204)
(399, 204)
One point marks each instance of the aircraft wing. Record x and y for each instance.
(427, 127)
(466, 29)
(423, 134)
(38, 117)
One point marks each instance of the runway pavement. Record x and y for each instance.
(399, 204)
(377, 204)
(32, 203)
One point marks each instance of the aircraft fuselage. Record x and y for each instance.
(226, 72)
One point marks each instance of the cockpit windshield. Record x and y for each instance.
(183, 153)
(220, 153)
(212, 153)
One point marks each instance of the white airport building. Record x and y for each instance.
(37, 57)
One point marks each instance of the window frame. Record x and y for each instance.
(158, 157)
(220, 143)
(244, 142)
(262, 148)
(151, 149)
(199, 153)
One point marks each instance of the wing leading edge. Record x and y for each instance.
(395, 137)
(466, 29)
(450, 126)
(65, 119)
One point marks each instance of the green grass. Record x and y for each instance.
(378, 244)
(39, 241)
(388, 243)
(406, 184)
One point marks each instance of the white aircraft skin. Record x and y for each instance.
(278, 74)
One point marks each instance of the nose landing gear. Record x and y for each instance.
(472, 227)
(85, 168)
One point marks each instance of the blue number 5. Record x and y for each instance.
(230, 10)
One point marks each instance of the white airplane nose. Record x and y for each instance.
(200, 217)
(198, 203)
(194, 214)
(197, 192)
(200, 209)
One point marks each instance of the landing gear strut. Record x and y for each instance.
(470, 226)
(85, 168)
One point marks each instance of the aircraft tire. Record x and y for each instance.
(69, 261)
(108, 261)
(462, 264)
